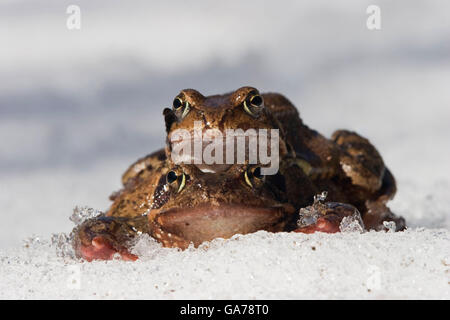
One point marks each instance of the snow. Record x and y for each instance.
(411, 264)
(76, 108)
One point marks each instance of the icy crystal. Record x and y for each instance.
(351, 224)
(310, 214)
(390, 225)
(63, 245)
(32, 242)
(80, 214)
(320, 197)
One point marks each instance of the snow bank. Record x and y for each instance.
(414, 264)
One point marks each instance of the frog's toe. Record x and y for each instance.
(327, 224)
(101, 249)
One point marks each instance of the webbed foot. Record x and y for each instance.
(101, 249)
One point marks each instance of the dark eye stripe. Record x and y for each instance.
(160, 196)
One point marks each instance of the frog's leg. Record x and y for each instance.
(145, 164)
(102, 237)
(327, 217)
(362, 163)
(360, 160)
(377, 210)
(377, 213)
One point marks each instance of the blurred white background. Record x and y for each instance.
(78, 106)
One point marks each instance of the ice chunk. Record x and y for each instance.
(352, 224)
(80, 214)
(63, 245)
(310, 214)
(390, 225)
(144, 246)
(307, 216)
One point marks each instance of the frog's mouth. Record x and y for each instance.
(207, 222)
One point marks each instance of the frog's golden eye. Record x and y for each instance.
(182, 106)
(182, 182)
(253, 174)
(253, 105)
(172, 177)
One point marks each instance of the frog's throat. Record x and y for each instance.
(180, 226)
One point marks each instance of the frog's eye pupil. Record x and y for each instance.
(253, 105)
(257, 173)
(171, 177)
(177, 103)
(256, 100)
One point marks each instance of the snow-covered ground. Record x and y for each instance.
(411, 264)
(77, 107)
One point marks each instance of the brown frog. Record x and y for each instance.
(242, 109)
(180, 204)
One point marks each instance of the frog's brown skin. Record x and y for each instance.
(147, 165)
(221, 204)
(347, 166)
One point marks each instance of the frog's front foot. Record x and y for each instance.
(327, 224)
(101, 249)
(103, 238)
(329, 218)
